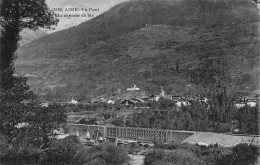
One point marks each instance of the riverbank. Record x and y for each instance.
(136, 159)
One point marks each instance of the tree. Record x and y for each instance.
(248, 118)
(10, 117)
(31, 122)
(118, 122)
(42, 121)
(165, 104)
(17, 15)
(105, 154)
(11, 107)
(18, 93)
(2, 22)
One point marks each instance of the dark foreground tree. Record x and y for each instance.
(10, 117)
(18, 93)
(15, 16)
(12, 109)
(30, 124)
(42, 122)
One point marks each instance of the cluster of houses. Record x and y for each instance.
(134, 96)
(72, 101)
(243, 101)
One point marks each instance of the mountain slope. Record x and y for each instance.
(30, 35)
(182, 45)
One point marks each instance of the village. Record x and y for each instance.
(116, 110)
(135, 96)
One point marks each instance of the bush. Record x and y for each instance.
(118, 122)
(146, 146)
(30, 154)
(176, 157)
(161, 162)
(60, 151)
(212, 155)
(244, 154)
(22, 154)
(222, 158)
(185, 146)
(3, 145)
(106, 154)
(114, 155)
(153, 156)
(165, 104)
(168, 146)
(20, 150)
(180, 157)
(241, 154)
(178, 154)
(68, 151)
(193, 148)
(73, 138)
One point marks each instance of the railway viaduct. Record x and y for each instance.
(112, 133)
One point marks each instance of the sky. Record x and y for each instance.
(66, 22)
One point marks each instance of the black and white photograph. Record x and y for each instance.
(129, 82)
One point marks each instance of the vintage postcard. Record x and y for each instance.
(129, 82)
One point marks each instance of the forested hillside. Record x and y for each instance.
(186, 46)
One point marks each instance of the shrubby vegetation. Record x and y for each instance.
(26, 127)
(26, 134)
(32, 122)
(69, 151)
(118, 122)
(197, 117)
(218, 115)
(26, 154)
(178, 157)
(89, 107)
(241, 154)
(60, 151)
(3, 144)
(154, 156)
